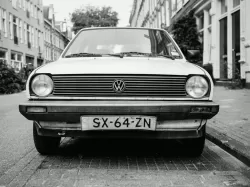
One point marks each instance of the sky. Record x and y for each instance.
(64, 7)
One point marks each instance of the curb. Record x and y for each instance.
(230, 145)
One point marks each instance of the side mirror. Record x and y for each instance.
(193, 54)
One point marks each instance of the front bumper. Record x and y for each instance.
(175, 119)
(121, 134)
(71, 111)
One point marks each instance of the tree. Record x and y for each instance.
(186, 34)
(10, 82)
(91, 16)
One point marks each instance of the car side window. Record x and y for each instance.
(170, 47)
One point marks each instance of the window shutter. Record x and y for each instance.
(17, 27)
(25, 33)
(21, 31)
(1, 15)
(33, 37)
(11, 26)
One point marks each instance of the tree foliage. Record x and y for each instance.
(91, 16)
(186, 34)
(10, 82)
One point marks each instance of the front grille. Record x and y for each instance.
(136, 86)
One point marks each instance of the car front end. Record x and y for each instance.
(133, 97)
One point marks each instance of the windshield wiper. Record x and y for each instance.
(166, 56)
(144, 54)
(83, 55)
(115, 54)
(133, 53)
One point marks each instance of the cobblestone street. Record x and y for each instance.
(105, 164)
(82, 162)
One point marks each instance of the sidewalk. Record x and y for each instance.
(230, 129)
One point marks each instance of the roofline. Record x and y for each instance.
(99, 28)
(47, 21)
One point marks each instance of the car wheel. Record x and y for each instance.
(45, 144)
(194, 147)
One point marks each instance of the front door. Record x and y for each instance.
(223, 49)
(236, 44)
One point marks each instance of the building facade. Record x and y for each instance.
(222, 24)
(21, 33)
(54, 38)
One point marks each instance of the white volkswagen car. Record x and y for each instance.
(120, 83)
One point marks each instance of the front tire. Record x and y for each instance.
(45, 144)
(194, 147)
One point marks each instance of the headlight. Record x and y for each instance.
(42, 85)
(197, 87)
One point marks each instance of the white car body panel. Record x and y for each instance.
(126, 65)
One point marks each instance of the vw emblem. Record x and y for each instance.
(119, 86)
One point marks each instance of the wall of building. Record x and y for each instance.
(154, 13)
(21, 32)
(223, 30)
(245, 41)
(55, 40)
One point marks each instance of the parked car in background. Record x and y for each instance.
(129, 83)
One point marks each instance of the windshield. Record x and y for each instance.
(130, 42)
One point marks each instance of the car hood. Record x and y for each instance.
(126, 65)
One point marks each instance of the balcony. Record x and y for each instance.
(16, 40)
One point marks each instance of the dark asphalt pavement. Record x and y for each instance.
(107, 163)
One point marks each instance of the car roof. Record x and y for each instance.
(137, 28)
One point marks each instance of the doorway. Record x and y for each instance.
(236, 45)
(223, 49)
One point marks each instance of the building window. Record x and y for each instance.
(29, 36)
(179, 4)
(21, 30)
(39, 41)
(36, 38)
(31, 10)
(32, 37)
(236, 3)
(224, 6)
(15, 29)
(25, 32)
(20, 3)
(24, 5)
(44, 36)
(11, 26)
(50, 39)
(201, 22)
(14, 4)
(167, 14)
(27, 9)
(223, 49)
(16, 61)
(174, 7)
(209, 17)
(52, 56)
(3, 56)
(35, 12)
(47, 53)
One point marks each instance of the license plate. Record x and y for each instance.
(118, 123)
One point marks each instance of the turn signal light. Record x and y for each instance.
(36, 109)
(200, 109)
